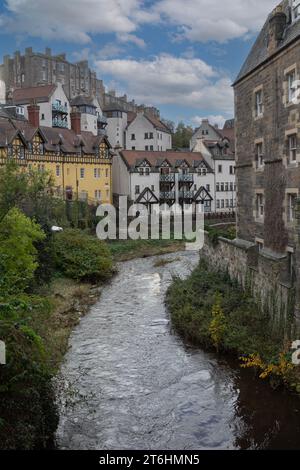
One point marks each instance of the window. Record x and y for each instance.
(208, 187)
(146, 148)
(98, 194)
(259, 155)
(222, 186)
(226, 186)
(218, 187)
(218, 203)
(295, 4)
(231, 186)
(82, 173)
(43, 117)
(151, 135)
(97, 173)
(132, 136)
(147, 171)
(227, 203)
(260, 245)
(151, 147)
(152, 188)
(132, 148)
(258, 103)
(292, 148)
(291, 78)
(260, 206)
(220, 168)
(291, 201)
(231, 170)
(57, 170)
(137, 190)
(222, 204)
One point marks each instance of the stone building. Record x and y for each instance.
(33, 69)
(268, 159)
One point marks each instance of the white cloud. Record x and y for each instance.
(204, 20)
(213, 119)
(172, 80)
(72, 20)
(77, 20)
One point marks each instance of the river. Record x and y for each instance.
(146, 389)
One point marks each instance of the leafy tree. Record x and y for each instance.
(182, 136)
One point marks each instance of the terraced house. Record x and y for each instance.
(163, 178)
(80, 162)
(268, 155)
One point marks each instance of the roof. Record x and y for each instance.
(67, 139)
(157, 123)
(37, 94)
(215, 147)
(259, 52)
(134, 158)
(83, 101)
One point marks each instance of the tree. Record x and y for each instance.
(182, 136)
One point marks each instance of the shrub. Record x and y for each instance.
(81, 256)
(18, 255)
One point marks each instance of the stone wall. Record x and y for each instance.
(264, 273)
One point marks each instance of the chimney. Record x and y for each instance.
(277, 25)
(34, 115)
(76, 122)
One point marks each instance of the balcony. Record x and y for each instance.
(189, 178)
(186, 195)
(168, 178)
(167, 196)
(60, 123)
(59, 108)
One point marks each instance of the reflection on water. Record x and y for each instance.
(147, 390)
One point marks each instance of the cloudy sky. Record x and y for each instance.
(179, 55)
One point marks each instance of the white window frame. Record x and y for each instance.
(259, 155)
(260, 206)
(292, 148)
(259, 110)
(291, 197)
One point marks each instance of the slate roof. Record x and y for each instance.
(259, 52)
(83, 101)
(37, 94)
(67, 139)
(156, 123)
(133, 158)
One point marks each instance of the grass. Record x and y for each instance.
(124, 250)
(213, 312)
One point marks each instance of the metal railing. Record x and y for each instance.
(60, 123)
(167, 196)
(186, 194)
(60, 108)
(189, 178)
(168, 178)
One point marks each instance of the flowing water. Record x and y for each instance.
(146, 389)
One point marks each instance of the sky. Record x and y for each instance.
(179, 55)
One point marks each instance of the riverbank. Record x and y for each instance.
(213, 312)
(125, 250)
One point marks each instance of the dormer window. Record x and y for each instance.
(295, 6)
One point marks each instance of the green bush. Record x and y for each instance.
(18, 255)
(81, 256)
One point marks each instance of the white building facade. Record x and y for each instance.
(146, 132)
(52, 101)
(164, 178)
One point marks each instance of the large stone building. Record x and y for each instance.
(35, 69)
(268, 156)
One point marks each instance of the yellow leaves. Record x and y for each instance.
(281, 369)
(217, 325)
